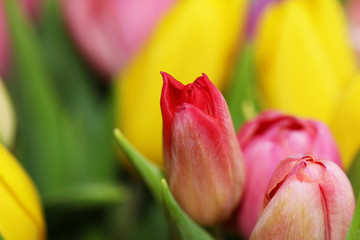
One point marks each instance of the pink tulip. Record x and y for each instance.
(31, 7)
(306, 199)
(110, 32)
(265, 142)
(203, 161)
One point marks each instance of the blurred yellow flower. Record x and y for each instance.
(196, 36)
(7, 119)
(346, 124)
(303, 57)
(21, 214)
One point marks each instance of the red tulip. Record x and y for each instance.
(110, 32)
(265, 142)
(306, 199)
(203, 161)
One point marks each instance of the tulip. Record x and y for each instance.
(7, 119)
(21, 214)
(303, 56)
(306, 198)
(265, 142)
(346, 123)
(203, 161)
(196, 36)
(111, 32)
(31, 7)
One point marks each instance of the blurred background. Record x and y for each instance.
(73, 71)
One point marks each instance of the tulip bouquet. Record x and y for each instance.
(263, 145)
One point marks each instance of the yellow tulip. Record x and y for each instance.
(196, 36)
(21, 214)
(303, 57)
(346, 123)
(7, 119)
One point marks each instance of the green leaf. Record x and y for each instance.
(1, 237)
(354, 174)
(59, 104)
(34, 99)
(354, 230)
(181, 226)
(242, 96)
(151, 174)
(87, 196)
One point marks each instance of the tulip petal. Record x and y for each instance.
(325, 149)
(291, 214)
(346, 123)
(337, 190)
(7, 120)
(201, 170)
(170, 93)
(294, 51)
(20, 205)
(112, 32)
(254, 192)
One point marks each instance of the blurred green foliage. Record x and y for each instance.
(242, 97)
(65, 137)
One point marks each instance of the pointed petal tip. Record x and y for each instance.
(165, 76)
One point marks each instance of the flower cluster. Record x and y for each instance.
(265, 145)
(288, 181)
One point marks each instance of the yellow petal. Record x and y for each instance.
(7, 119)
(196, 36)
(346, 123)
(20, 209)
(303, 57)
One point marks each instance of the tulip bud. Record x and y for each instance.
(203, 161)
(265, 142)
(303, 56)
(7, 119)
(111, 32)
(21, 212)
(306, 199)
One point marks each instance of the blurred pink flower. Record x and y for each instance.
(265, 142)
(3, 42)
(353, 9)
(111, 32)
(31, 7)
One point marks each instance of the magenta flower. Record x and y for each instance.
(265, 142)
